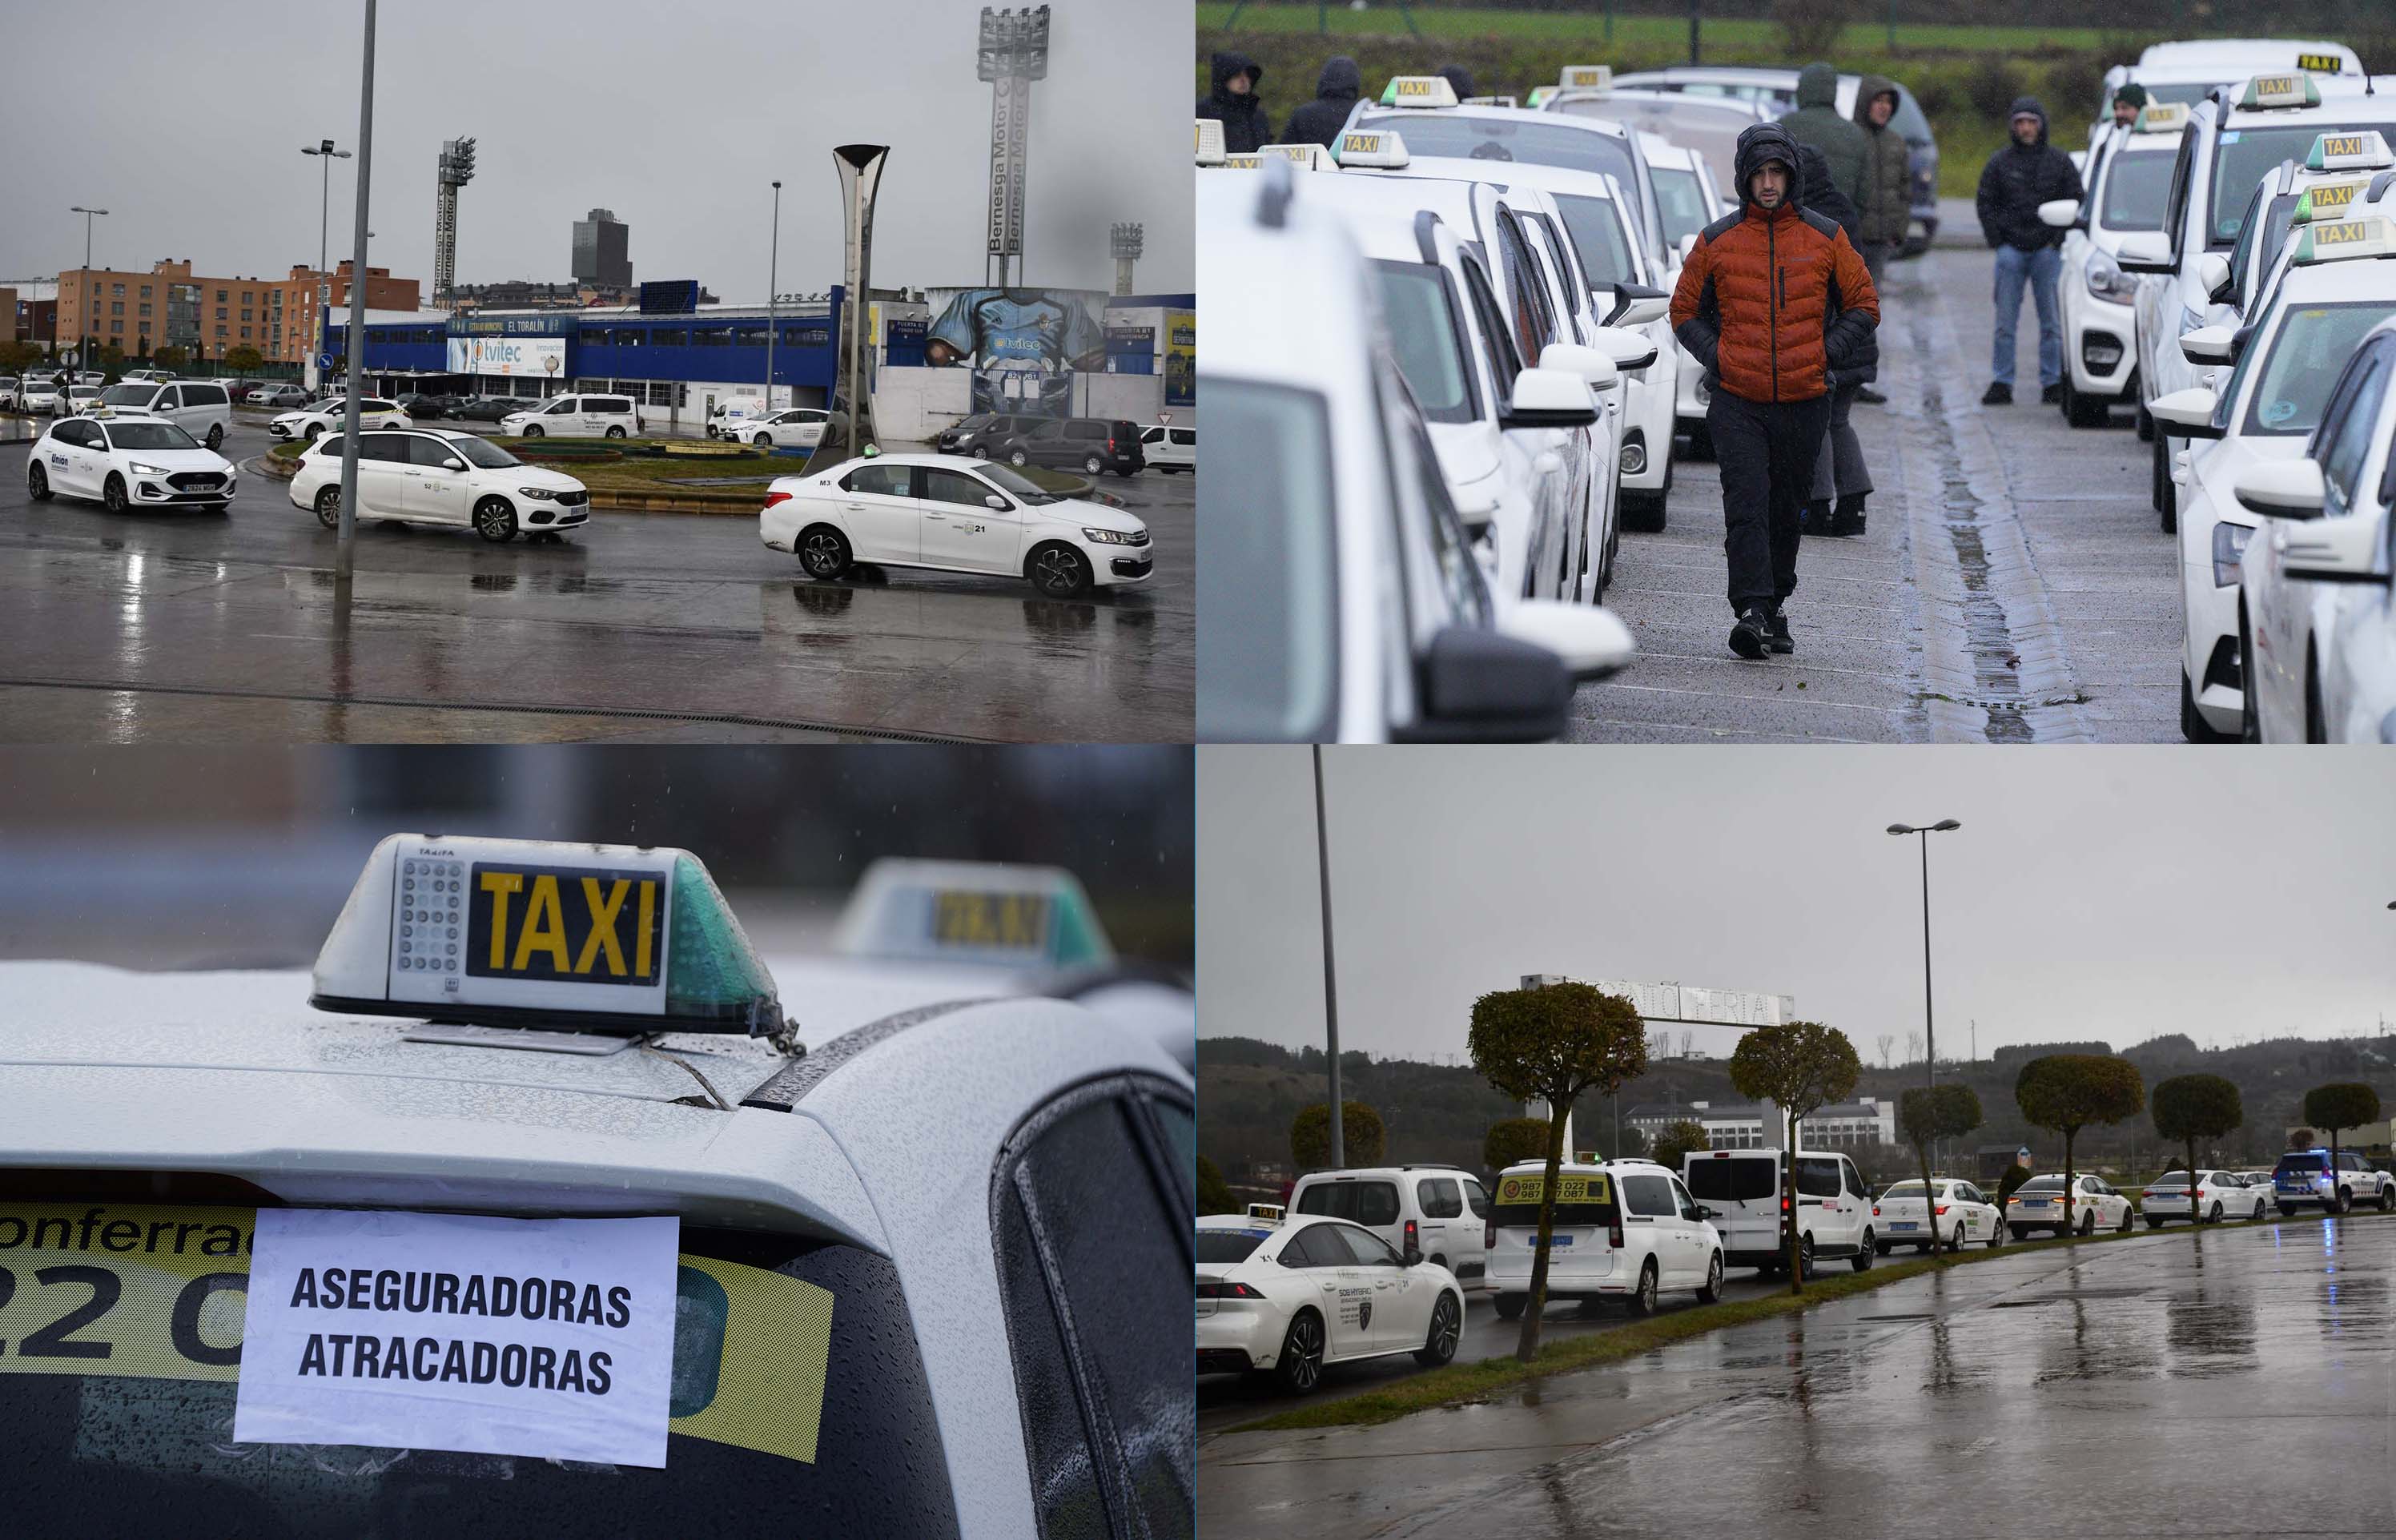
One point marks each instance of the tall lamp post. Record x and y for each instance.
(1330, 975)
(773, 268)
(1929, 1032)
(355, 346)
(324, 152)
(91, 334)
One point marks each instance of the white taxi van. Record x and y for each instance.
(1621, 1229)
(502, 1045)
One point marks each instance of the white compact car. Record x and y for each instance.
(442, 476)
(326, 417)
(2219, 1195)
(1441, 1211)
(77, 399)
(1964, 1216)
(200, 407)
(951, 513)
(36, 396)
(1167, 448)
(1287, 1293)
(612, 417)
(2315, 1178)
(1621, 1229)
(129, 462)
(2128, 185)
(792, 428)
(2037, 1205)
(1743, 1189)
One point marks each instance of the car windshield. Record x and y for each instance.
(1223, 1246)
(2306, 356)
(149, 435)
(1017, 485)
(482, 452)
(127, 395)
(2136, 188)
(1505, 140)
(2042, 1184)
(2240, 157)
(1430, 347)
(142, 1442)
(1681, 198)
(2187, 93)
(1267, 586)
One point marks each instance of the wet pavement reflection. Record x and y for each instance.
(170, 624)
(2237, 1383)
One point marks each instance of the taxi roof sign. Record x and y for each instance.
(2364, 151)
(1210, 142)
(2264, 91)
(1243, 163)
(2161, 117)
(2346, 240)
(2328, 200)
(1380, 148)
(984, 912)
(1313, 157)
(1418, 91)
(1272, 1214)
(1539, 97)
(536, 933)
(1585, 77)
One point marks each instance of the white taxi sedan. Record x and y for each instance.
(2037, 1205)
(1964, 1214)
(442, 476)
(794, 427)
(129, 462)
(950, 514)
(2219, 1195)
(1286, 1294)
(326, 417)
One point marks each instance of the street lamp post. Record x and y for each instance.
(356, 346)
(1929, 1030)
(772, 266)
(324, 152)
(91, 333)
(1330, 975)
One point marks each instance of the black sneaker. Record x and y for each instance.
(1999, 393)
(2051, 395)
(1780, 640)
(1752, 635)
(1871, 397)
(1815, 517)
(1847, 519)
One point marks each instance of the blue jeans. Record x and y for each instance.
(2042, 268)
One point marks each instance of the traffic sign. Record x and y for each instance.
(323, 361)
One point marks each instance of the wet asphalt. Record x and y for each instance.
(2013, 585)
(2241, 1383)
(169, 625)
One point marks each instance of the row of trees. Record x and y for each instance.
(18, 358)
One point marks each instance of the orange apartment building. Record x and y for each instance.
(168, 305)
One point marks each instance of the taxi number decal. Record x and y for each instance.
(1013, 919)
(2320, 64)
(1569, 1189)
(2341, 144)
(2337, 235)
(566, 924)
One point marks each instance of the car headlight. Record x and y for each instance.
(2228, 546)
(2108, 282)
(537, 493)
(140, 470)
(1109, 537)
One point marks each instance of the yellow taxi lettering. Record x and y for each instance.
(640, 941)
(602, 927)
(2274, 84)
(1361, 144)
(550, 937)
(2319, 64)
(2337, 234)
(2341, 144)
(2334, 197)
(500, 884)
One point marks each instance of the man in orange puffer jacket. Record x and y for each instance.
(1773, 302)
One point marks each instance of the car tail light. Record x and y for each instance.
(1942, 1208)
(1111, 444)
(1489, 1235)
(1614, 1235)
(1875, 1211)
(1207, 1289)
(1784, 1206)
(1412, 1243)
(773, 498)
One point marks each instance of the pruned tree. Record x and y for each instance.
(1927, 1114)
(2188, 1108)
(1677, 1140)
(243, 360)
(2300, 1138)
(1551, 1044)
(1214, 1194)
(2348, 1104)
(1310, 1135)
(1799, 1065)
(1513, 1140)
(2065, 1092)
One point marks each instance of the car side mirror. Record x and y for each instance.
(2146, 251)
(1629, 350)
(1594, 643)
(1414, 1256)
(1636, 304)
(2213, 275)
(2331, 551)
(1706, 1212)
(2282, 489)
(1480, 686)
(2059, 213)
(453, 465)
(1596, 370)
(2208, 345)
(1549, 398)
(2187, 414)
(995, 503)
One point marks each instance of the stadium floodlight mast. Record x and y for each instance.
(454, 171)
(1126, 242)
(324, 152)
(91, 340)
(1013, 52)
(772, 266)
(1929, 1032)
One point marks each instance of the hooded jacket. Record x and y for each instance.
(1861, 363)
(1772, 303)
(1887, 203)
(1245, 128)
(2019, 177)
(1319, 121)
(1816, 121)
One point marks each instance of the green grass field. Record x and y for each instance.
(1751, 41)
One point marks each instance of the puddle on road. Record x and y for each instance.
(1995, 660)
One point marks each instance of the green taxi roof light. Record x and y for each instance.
(2346, 240)
(1539, 97)
(2327, 200)
(712, 971)
(1418, 91)
(980, 912)
(2161, 117)
(2266, 91)
(2360, 151)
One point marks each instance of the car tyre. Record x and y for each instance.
(37, 484)
(1712, 1291)
(1805, 1258)
(534, 430)
(314, 432)
(1059, 571)
(1883, 1248)
(1862, 1260)
(615, 432)
(2287, 1211)
(2153, 1222)
(1996, 1237)
(2083, 411)
(2250, 715)
(710, 430)
(823, 552)
(494, 520)
(2088, 1222)
(2387, 1198)
(2257, 1214)
(2215, 1218)
(2130, 1219)
(2342, 1203)
(764, 441)
(216, 434)
(1644, 511)
(1440, 1346)
(111, 495)
(2146, 424)
(329, 508)
(2021, 1233)
(980, 452)
(1955, 1242)
(1018, 458)
(1300, 1368)
(1510, 1305)
(1093, 466)
(1642, 1299)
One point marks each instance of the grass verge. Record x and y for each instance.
(1463, 1383)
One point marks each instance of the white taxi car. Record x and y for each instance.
(1288, 1293)
(852, 1350)
(1964, 1215)
(442, 476)
(1621, 1229)
(2333, 284)
(952, 514)
(77, 400)
(1344, 598)
(37, 395)
(2037, 1205)
(794, 427)
(2127, 187)
(129, 462)
(327, 416)
(2219, 1195)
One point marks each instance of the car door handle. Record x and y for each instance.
(854, 507)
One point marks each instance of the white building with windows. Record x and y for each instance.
(1756, 1125)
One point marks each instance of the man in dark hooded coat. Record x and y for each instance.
(1319, 121)
(1841, 480)
(1233, 103)
(2026, 173)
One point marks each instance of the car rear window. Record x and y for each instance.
(1367, 1203)
(135, 1437)
(2172, 1178)
(1224, 1246)
(2302, 1165)
(2042, 1184)
(1731, 1181)
(1582, 1198)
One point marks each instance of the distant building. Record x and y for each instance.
(1756, 1125)
(288, 335)
(602, 251)
(1989, 1161)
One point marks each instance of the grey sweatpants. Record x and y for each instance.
(1839, 468)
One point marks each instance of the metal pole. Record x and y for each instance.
(1693, 30)
(355, 343)
(1330, 977)
(1929, 1028)
(773, 264)
(324, 278)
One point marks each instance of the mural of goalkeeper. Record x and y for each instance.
(1022, 345)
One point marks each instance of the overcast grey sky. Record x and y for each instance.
(2111, 894)
(186, 125)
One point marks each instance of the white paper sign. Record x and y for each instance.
(550, 1339)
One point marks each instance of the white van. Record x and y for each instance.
(1169, 448)
(730, 412)
(199, 407)
(1441, 1211)
(1622, 1230)
(576, 416)
(1743, 1189)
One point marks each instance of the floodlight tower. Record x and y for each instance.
(1014, 53)
(457, 170)
(1127, 240)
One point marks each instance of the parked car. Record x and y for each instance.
(1620, 1230)
(327, 416)
(78, 398)
(442, 476)
(277, 396)
(2219, 1195)
(127, 462)
(574, 417)
(1169, 448)
(792, 428)
(1442, 1211)
(1093, 445)
(2037, 1205)
(1286, 1294)
(35, 394)
(484, 408)
(198, 406)
(427, 408)
(2313, 1178)
(1743, 1189)
(1964, 1214)
(731, 411)
(984, 434)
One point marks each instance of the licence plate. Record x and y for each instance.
(1904, 1223)
(2038, 1203)
(1552, 1241)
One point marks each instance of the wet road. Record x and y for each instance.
(2236, 1384)
(171, 625)
(1227, 1400)
(2014, 584)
